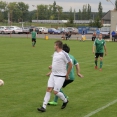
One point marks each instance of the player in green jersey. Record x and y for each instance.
(34, 35)
(71, 75)
(98, 49)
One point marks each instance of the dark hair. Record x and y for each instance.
(66, 48)
(59, 44)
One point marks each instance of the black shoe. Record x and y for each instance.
(64, 105)
(41, 109)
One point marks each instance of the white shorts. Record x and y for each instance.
(56, 82)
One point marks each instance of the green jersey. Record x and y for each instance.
(99, 44)
(34, 34)
(74, 62)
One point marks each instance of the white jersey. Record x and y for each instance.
(59, 63)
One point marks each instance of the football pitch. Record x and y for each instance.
(23, 69)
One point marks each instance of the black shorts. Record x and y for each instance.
(99, 54)
(67, 82)
(33, 40)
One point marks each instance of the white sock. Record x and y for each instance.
(61, 96)
(46, 99)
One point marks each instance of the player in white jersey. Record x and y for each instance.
(58, 75)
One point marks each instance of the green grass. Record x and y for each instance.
(24, 69)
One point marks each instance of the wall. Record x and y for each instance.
(113, 20)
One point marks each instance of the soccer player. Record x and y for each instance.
(58, 75)
(34, 35)
(98, 48)
(71, 75)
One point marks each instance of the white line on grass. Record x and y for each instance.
(100, 109)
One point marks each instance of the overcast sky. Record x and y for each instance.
(66, 4)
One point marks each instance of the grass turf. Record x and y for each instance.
(24, 69)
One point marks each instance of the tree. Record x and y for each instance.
(60, 10)
(116, 4)
(2, 5)
(23, 9)
(89, 12)
(42, 11)
(2, 10)
(96, 23)
(12, 6)
(84, 12)
(100, 10)
(71, 17)
(55, 11)
(1, 17)
(79, 15)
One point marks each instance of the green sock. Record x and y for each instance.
(55, 98)
(32, 43)
(95, 62)
(63, 93)
(101, 63)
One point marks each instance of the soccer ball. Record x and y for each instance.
(1, 82)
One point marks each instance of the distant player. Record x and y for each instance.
(71, 75)
(33, 35)
(98, 48)
(58, 75)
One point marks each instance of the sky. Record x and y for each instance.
(67, 4)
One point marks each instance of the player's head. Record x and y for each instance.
(100, 36)
(66, 48)
(58, 45)
(33, 29)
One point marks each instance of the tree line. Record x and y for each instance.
(19, 12)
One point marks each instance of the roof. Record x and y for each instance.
(107, 16)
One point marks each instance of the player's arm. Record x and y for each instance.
(78, 71)
(105, 50)
(93, 48)
(50, 67)
(36, 34)
(69, 69)
(31, 35)
(48, 74)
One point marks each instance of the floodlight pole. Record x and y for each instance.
(58, 13)
(111, 3)
(37, 12)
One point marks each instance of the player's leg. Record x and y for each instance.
(101, 61)
(58, 85)
(64, 85)
(34, 42)
(54, 103)
(48, 94)
(96, 60)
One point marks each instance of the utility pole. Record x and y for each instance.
(74, 15)
(8, 17)
(37, 12)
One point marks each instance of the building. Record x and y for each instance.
(110, 19)
(106, 20)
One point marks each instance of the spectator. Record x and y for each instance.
(83, 35)
(113, 35)
(63, 36)
(93, 36)
(68, 35)
(97, 32)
